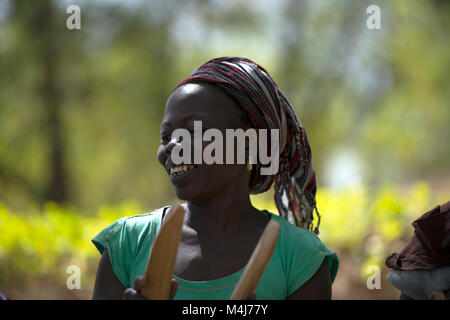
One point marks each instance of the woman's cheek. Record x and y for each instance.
(162, 157)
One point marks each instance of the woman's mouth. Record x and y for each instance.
(178, 173)
(181, 169)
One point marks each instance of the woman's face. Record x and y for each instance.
(215, 109)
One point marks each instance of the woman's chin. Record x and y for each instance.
(192, 194)
(187, 185)
(186, 195)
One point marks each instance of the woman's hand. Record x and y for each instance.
(135, 293)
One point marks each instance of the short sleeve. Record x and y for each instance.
(307, 256)
(115, 238)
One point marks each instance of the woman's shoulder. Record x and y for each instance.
(289, 231)
(303, 251)
(130, 227)
(292, 237)
(146, 224)
(144, 218)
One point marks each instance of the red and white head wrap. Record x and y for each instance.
(268, 108)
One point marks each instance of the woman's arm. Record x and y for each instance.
(316, 288)
(107, 285)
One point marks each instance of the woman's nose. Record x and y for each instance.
(170, 145)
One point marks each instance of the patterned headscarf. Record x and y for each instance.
(268, 108)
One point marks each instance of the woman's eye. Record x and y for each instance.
(165, 138)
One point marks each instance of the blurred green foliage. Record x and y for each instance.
(46, 242)
(369, 226)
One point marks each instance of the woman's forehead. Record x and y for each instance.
(194, 101)
(200, 94)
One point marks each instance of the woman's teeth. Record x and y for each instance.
(177, 170)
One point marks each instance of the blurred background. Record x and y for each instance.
(80, 112)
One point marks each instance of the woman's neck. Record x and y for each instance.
(229, 212)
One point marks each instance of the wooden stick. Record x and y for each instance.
(258, 262)
(163, 255)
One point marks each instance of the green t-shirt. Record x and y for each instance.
(297, 256)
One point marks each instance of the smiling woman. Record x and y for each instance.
(221, 226)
